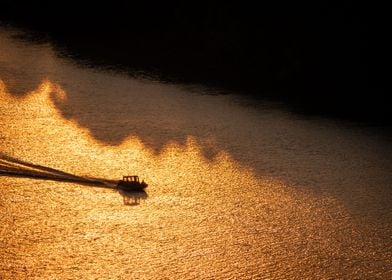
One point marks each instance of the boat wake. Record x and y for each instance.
(13, 167)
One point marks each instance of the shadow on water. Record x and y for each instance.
(323, 156)
(17, 80)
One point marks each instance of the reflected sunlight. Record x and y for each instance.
(234, 191)
(49, 139)
(190, 195)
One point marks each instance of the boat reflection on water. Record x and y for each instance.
(132, 189)
(132, 198)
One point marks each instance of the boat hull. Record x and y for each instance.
(131, 186)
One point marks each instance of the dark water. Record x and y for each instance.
(236, 190)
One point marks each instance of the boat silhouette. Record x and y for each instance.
(131, 183)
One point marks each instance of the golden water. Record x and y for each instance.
(235, 191)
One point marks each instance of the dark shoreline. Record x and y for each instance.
(328, 62)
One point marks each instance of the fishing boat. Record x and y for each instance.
(131, 183)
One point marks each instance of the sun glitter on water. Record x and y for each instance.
(49, 139)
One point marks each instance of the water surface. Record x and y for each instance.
(235, 190)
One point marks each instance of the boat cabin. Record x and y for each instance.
(131, 183)
(131, 179)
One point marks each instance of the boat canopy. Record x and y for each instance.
(131, 178)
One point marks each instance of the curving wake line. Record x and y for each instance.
(10, 166)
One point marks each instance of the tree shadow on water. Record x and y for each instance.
(27, 62)
(317, 155)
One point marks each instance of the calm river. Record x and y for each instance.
(236, 190)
